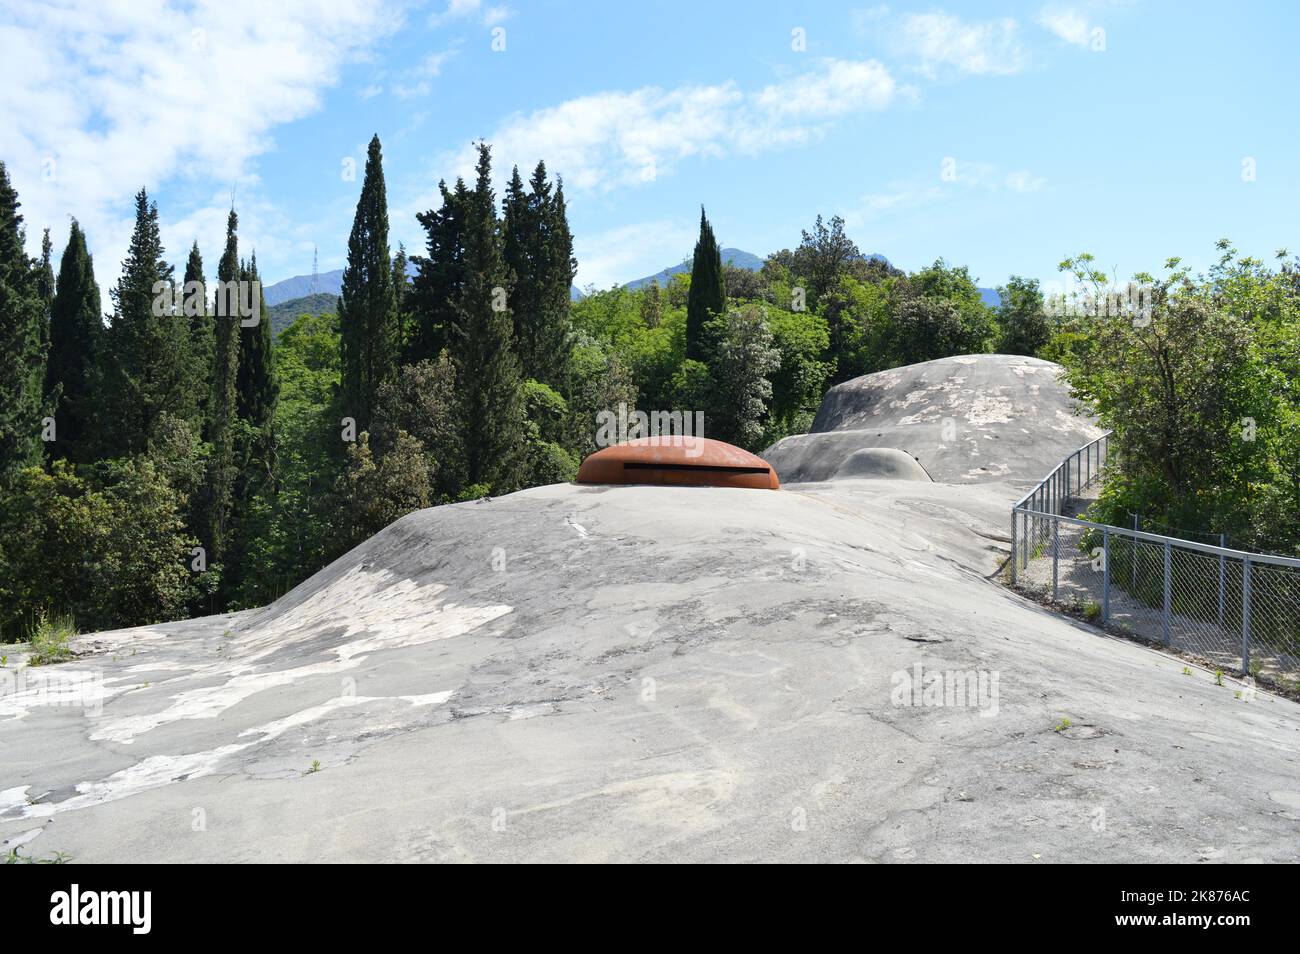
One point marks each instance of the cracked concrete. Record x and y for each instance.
(708, 674)
(583, 673)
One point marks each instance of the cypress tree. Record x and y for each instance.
(257, 388)
(200, 334)
(401, 298)
(45, 280)
(708, 295)
(145, 369)
(519, 234)
(537, 248)
(367, 306)
(22, 353)
(491, 394)
(440, 275)
(222, 469)
(75, 332)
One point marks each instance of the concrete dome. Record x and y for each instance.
(976, 418)
(678, 461)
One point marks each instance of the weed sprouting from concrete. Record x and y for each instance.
(49, 639)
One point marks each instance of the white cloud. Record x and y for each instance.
(841, 86)
(417, 79)
(129, 94)
(1069, 25)
(968, 179)
(941, 40)
(469, 9)
(615, 139)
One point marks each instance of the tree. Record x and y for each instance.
(1023, 327)
(420, 400)
(110, 548)
(22, 332)
(651, 305)
(482, 348)
(937, 312)
(367, 305)
(256, 386)
(222, 409)
(608, 384)
(547, 414)
(202, 340)
(746, 356)
(75, 332)
(45, 278)
(823, 256)
(923, 329)
(440, 275)
(708, 295)
(372, 494)
(537, 250)
(145, 369)
(402, 299)
(1196, 403)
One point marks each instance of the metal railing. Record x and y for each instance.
(1238, 609)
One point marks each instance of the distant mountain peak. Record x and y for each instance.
(736, 257)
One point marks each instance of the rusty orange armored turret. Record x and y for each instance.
(678, 461)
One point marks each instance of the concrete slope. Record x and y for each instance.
(966, 419)
(653, 674)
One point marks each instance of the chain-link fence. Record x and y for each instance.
(1238, 610)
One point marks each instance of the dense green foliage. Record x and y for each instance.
(1203, 394)
(22, 340)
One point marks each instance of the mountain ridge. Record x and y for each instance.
(331, 283)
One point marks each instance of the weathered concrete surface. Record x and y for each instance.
(966, 419)
(656, 674)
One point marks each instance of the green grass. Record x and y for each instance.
(1092, 611)
(1062, 725)
(49, 639)
(58, 858)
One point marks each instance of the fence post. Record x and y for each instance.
(1105, 575)
(1223, 573)
(1014, 531)
(1056, 553)
(1133, 564)
(1245, 616)
(1165, 620)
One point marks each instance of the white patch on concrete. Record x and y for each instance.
(430, 698)
(392, 613)
(532, 711)
(990, 409)
(578, 528)
(157, 771)
(22, 838)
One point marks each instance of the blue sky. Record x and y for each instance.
(999, 136)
